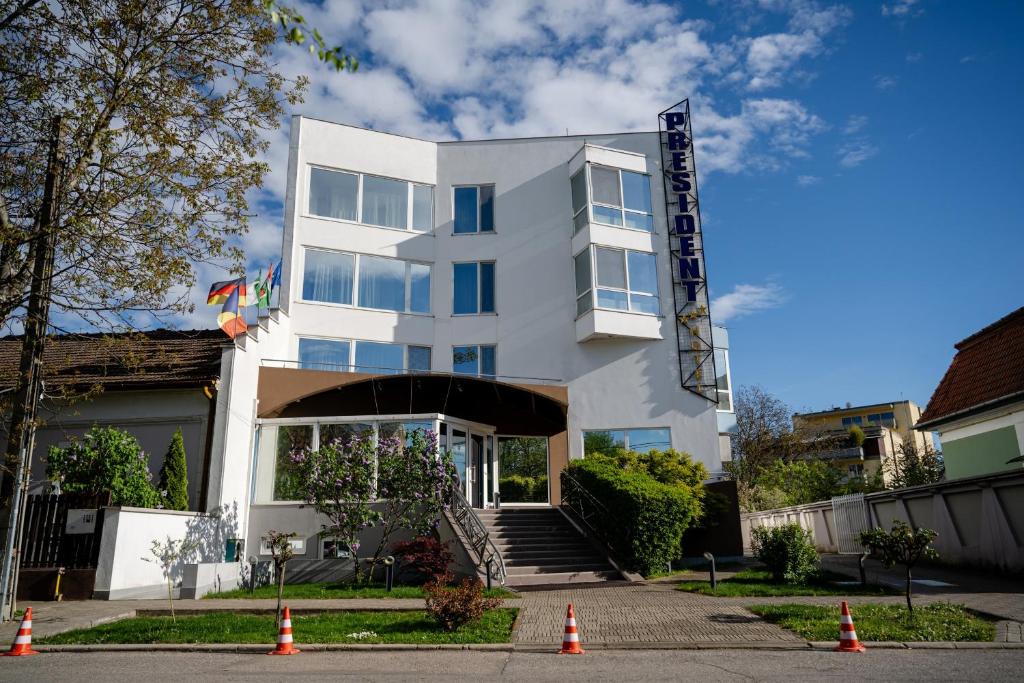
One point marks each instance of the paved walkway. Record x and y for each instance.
(622, 614)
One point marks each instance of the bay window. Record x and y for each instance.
(366, 281)
(616, 279)
(617, 197)
(369, 199)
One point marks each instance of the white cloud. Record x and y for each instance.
(967, 59)
(914, 57)
(854, 124)
(471, 69)
(746, 299)
(885, 82)
(807, 180)
(902, 9)
(856, 152)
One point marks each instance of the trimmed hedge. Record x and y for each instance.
(643, 520)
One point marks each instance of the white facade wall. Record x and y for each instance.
(614, 383)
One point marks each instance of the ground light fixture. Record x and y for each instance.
(714, 579)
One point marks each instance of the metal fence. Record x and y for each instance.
(45, 539)
(851, 517)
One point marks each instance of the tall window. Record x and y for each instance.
(606, 441)
(722, 380)
(475, 360)
(343, 355)
(473, 209)
(473, 288)
(385, 202)
(366, 281)
(617, 197)
(618, 279)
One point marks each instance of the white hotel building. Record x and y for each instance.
(505, 293)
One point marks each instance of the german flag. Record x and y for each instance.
(220, 291)
(230, 319)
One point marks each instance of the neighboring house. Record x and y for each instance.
(149, 384)
(978, 407)
(726, 412)
(886, 426)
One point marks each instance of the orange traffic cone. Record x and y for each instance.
(284, 636)
(571, 639)
(23, 641)
(847, 635)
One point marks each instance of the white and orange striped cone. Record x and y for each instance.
(284, 636)
(571, 639)
(23, 641)
(847, 634)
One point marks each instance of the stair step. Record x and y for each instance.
(558, 560)
(513, 581)
(549, 551)
(558, 568)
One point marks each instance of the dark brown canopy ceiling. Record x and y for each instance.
(511, 409)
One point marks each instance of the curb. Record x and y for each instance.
(779, 645)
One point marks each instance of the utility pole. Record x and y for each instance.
(21, 435)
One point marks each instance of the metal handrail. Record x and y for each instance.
(582, 503)
(478, 536)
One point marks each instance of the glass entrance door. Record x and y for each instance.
(472, 449)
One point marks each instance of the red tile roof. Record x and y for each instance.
(164, 358)
(988, 369)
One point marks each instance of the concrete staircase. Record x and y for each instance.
(541, 547)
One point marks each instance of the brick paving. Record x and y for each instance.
(641, 613)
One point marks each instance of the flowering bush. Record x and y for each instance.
(104, 460)
(455, 606)
(414, 478)
(337, 480)
(424, 557)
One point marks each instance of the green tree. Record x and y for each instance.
(901, 545)
(174, 475)
(165, 106)
(104, 460)
(169, 554)
(281, 552)
(913, 466)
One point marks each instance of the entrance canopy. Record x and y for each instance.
(533, 410)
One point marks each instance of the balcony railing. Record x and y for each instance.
(381, 370)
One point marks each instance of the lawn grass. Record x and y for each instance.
(334, 591)
(936, 622)
(334, 627)
(759, 583)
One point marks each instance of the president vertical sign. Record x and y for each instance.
(686, 245)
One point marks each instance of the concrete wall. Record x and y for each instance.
(979, 521)
(309, 565)
(124, 572)
(613, 383)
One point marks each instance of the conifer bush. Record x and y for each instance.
(174, 475)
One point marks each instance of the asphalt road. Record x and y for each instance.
(620, 665)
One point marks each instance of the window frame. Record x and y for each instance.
(594, 286)
(625, 435)
(590, 203)
(357, 271)
(410, 200)
(352, 365)
(479, 286)
(728, 380)
(479, 209)
(480, 358)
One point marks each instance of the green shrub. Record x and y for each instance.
(173, 486)
(642, 520)
(516, 489)
(787, 551)
(105, 459)
(455, 606)
(540, 490)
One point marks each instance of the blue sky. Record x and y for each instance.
(859, 163)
